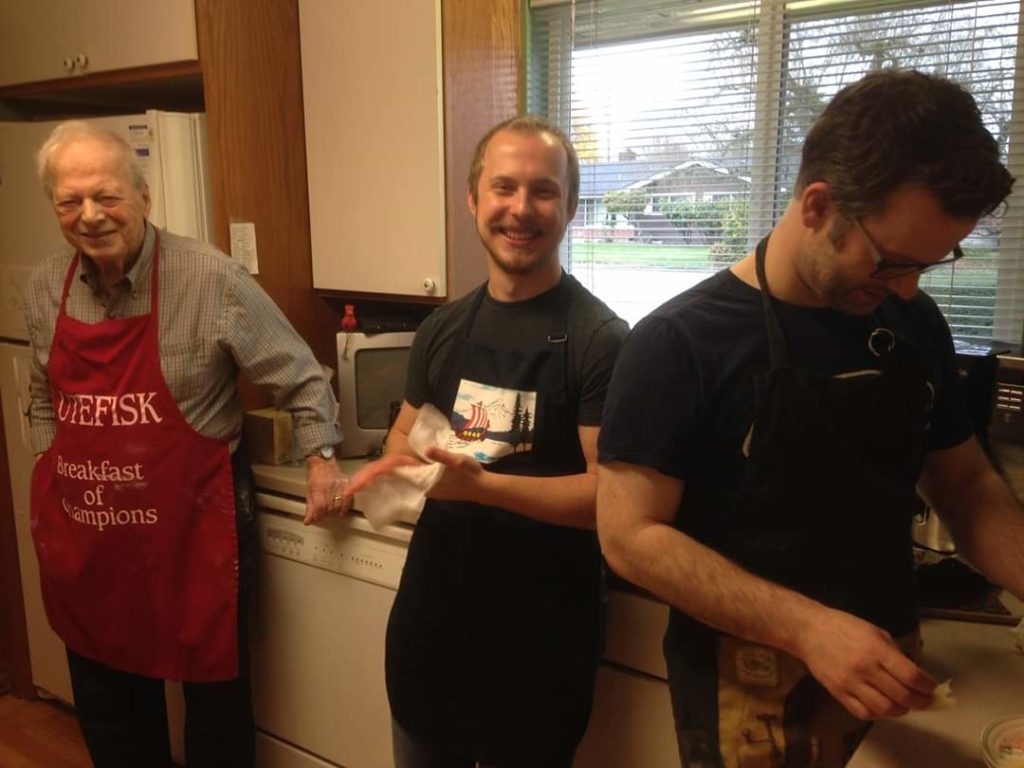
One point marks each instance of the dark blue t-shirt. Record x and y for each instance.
(681, 399)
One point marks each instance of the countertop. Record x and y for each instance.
(987, 674)
(290, 479)
(281, 488)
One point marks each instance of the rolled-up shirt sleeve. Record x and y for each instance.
(271, 354)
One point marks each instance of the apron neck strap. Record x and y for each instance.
(154, 278)
(559, 333)
(881, 341)
(67, 282)
(776, 338)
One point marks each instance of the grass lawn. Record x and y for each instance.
(643, 255)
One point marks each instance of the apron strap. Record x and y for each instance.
(154, 279)
(881, 340)
(776, 338)
(67, 284)
(559, 334)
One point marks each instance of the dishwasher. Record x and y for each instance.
(325, 593)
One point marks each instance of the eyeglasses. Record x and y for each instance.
(890, 270)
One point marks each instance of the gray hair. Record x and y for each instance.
(75, 130)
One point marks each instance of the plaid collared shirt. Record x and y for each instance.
(215, 321)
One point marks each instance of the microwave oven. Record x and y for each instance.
(371, 387)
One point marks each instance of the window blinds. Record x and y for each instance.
(689, 118)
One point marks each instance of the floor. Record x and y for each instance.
(39, 734)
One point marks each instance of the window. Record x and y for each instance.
(689, 117)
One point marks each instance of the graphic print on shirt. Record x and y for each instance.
(491, 422)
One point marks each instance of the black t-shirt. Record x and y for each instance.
(681, 400)
(595, 337)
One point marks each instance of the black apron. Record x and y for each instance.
(494, 637)
(824, 508)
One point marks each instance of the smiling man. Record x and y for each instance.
(142, 498)
(494, 638)
(765, 433)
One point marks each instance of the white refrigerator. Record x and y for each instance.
(172, 148)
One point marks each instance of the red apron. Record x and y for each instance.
(133, 512)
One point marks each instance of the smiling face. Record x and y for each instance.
(101, 213)
(521, 203)
(912, 227)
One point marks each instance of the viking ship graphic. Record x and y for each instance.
(476, 425)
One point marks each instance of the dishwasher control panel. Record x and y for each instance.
(334, 545)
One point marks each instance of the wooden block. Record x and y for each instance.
(268, 436)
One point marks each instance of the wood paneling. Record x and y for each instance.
(249, 51)
(482, 48)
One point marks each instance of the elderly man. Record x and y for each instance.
(494, 638)
(142, 504)
(765, 433)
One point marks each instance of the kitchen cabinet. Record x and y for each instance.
(371, 84)
(53, 39)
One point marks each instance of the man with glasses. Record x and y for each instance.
(766, 432)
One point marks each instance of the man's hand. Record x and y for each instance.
(462, 478)
(863, 668)
(378, 467)
(327, 489)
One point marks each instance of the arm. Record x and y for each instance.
(982, 513)
(40, 315)
(858, 663)
(271, 354)
(42, 418)
(564, 500)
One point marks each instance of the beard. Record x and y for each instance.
(822, 271)
(523, 266)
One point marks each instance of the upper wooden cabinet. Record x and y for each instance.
(51, 39)
(371, 83)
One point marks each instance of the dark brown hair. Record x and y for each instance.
(905, 127)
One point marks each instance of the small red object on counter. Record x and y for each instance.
(349, 322)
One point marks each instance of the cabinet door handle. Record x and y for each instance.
(69, 64)
(82, 61)
(428, 285)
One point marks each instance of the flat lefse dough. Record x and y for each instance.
(944, 698)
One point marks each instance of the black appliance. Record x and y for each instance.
(978, 365)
